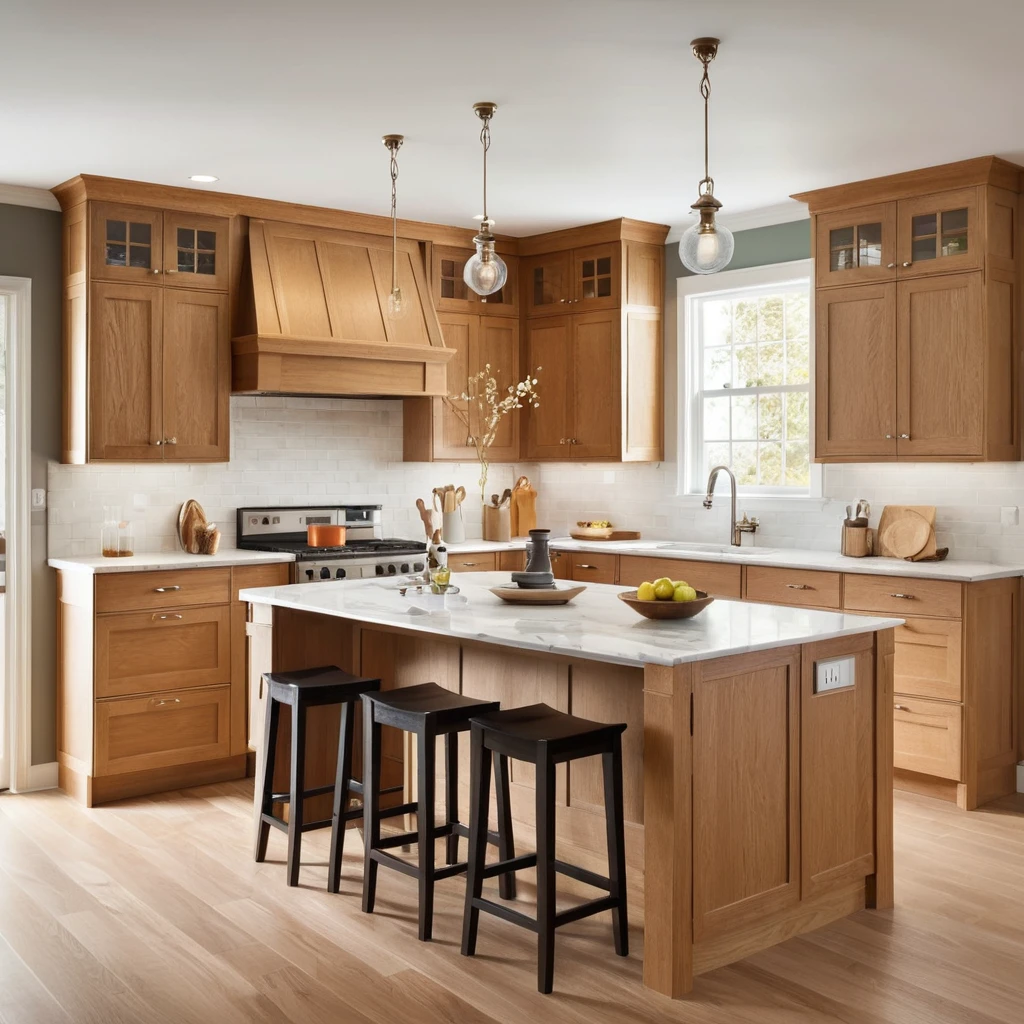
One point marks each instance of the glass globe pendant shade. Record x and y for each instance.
(706, 248)
(396, 304)
(485, 271)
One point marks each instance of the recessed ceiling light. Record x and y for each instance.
(206, 178)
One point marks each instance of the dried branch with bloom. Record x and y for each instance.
(485, 405)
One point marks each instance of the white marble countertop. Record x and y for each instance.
(168, 560)
(786, 558)
(595, 626)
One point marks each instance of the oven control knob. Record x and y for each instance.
(391, 570)
(325, 573)
(417, 567)
(379, 570)
(405, 567)
(340, 574)
(309, 574)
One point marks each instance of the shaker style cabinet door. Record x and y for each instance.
(597, 394)
(497, 344)
(195, 251)
(596, 278)
(196, 376)
(549, 344)
(125, 243)
(940, 366)
(939, 234)
(855, 372)
(855, 246)
(125, 372)
(451, 436)
(548, 283)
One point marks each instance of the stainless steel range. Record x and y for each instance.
(366, 552)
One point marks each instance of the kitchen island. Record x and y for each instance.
(756, 808)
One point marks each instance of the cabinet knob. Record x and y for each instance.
(900, 707)
(890, 437)
(156, 444)
(905, 437)
(891, 266)
(563, 440)
(170, 440)
(170, 271)
(564, 300)
(155, 270)
(572, 440)
(908, 264)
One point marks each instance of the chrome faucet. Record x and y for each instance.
(735, 528)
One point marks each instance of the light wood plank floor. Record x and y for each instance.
(153, 911)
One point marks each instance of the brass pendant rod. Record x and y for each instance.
(393, 144)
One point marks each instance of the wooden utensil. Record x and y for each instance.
(893, 514)
(523, 508)
(460, 495)
(426, 517)
(191, 520)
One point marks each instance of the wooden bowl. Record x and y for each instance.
(666, 609)
(592, 532)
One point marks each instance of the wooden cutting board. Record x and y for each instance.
(907, 531)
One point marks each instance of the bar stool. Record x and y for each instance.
(311, 687)
(427, 711)
(545, 737)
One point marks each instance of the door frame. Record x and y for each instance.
(18, 646)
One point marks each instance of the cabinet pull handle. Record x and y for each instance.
(170, 271)
(584, 565)
(159, 702)
(156, 444)
(900, 707)
(165, 590)
(904, 437)
(890, 437)
(908, 264)
(172, 615)
(155, 270)
(564, 300)
(799, 586)
(467, 565)
(170, 440)
(904, 597)
(891, 266)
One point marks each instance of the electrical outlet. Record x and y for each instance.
(38, 499)
(835, 674)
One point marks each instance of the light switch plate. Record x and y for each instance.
(834, 674)
(38, 499)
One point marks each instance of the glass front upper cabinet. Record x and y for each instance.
(452, 293)
(856, 245)
(126, 243)
(939, 234)
(195, 251)
(596, 277)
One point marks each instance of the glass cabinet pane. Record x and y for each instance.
(954, 233)
(596, 277)
(451, 281)
(934, 235)
(128, 244)
(859, 245)
(196, 251)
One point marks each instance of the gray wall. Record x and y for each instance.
(756, 247)
(30, 247)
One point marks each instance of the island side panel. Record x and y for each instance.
(880, 886)
(668, 881)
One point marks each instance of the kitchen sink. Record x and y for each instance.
(694, 548)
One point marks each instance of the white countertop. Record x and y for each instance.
(168, 560)
(786, 558)
(595, 626)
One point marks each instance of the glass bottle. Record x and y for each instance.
(116, 536)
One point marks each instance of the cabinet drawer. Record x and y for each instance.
(927, 661)
(902, 595)
(714, 578)
(589, 568)
(145, 652)
(479, 561)
(140, 591)
(157, 732)
(805, 587)
(926, 737)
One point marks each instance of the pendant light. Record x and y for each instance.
(706, 247)
(396, 304)
(485, 271)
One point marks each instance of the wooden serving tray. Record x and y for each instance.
(520, 595)
(581, 534)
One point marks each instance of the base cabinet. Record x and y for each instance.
(153, 672)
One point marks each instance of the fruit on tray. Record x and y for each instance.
(664, 589)
(594, 524)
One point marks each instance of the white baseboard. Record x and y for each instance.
(1020, 777)
(41, 776)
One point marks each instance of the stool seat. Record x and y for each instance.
(517, 732)
(317, 686)
(408, 707)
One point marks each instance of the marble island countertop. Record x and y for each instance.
(955, 570)
(147, 561)
(596, 625)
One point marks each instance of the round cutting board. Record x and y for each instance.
(907, 536)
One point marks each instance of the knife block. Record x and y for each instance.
(857, 541)
(497, 524)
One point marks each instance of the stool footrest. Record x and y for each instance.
(390, 861)
(283, 798)
(587, 909)
(505, 913)
(502, 867)
(393, 812)
(276, 822)
(408, 838)
(583, 875)
(449, 870)
(312, 826)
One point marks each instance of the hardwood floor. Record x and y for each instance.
(152, 910)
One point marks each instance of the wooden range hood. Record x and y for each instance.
(315, 317)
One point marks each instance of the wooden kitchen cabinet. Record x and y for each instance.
(152, 679)
(718, 579)
(147, 331)
(451, 293)
(918, 339)
(588, 567)
(473, 561)
(807, 588)
(580, 280)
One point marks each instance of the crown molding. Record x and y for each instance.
(745, 220)
(20, 195)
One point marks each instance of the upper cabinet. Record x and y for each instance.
(451, 294)
(147, 326)
(918, 334)
(573, 281)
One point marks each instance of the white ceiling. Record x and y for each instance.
(599, 110)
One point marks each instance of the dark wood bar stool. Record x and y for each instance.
(427, 711)
(312, 687)
(545, 737)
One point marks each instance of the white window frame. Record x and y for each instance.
(17, 686)
(690, 489)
